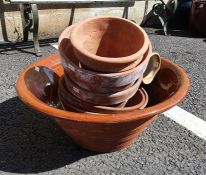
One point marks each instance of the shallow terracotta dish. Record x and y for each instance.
(101, 133)
(109, 44)
(138, 101)
(94, 81)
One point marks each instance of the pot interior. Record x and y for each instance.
(110, 37)
(43, 83)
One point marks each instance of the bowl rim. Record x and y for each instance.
(53, 62)
(116, 60)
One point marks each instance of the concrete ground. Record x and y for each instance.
(32, 143)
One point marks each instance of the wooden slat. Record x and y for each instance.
(66, 1)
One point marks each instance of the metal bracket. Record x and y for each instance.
(30, 23)
(163, 12)
(125, 12)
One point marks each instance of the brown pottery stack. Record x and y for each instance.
(103, 62)
(104, 59)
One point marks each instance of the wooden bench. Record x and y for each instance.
(30, 17)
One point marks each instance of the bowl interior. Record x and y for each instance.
(109, 37)
(65, 46)
(42, 82)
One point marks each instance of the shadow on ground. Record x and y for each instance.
(157, 30)
(154, 27)
(178, 33)
(31, 142)
(23, 47)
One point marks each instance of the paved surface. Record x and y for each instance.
(32, 143)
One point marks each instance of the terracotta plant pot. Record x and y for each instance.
(68, 101)
(109, 44)
(102, 133)
(94, 81)
(101, 98)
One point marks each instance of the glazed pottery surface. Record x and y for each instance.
(109, 44)
(68, 101)
(94, 81)
(102, 133)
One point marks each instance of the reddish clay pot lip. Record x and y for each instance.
(104, 77)
(101, 98)
(53, 62)
(99, 109)
(99, 88)
(127, 59)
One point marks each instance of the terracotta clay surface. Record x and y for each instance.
(94, 81)
(101, 98)
(138, 101)
(109, 132)
(109, 44)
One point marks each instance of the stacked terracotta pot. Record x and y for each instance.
(104, 59)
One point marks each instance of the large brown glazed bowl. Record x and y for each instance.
(69, 101)
(109, 44)
(101, 133)
(94, 81)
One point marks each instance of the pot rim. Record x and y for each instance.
(92, 73)
(134, 87)
(125, 59)
(53, 62)
(107, 98)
